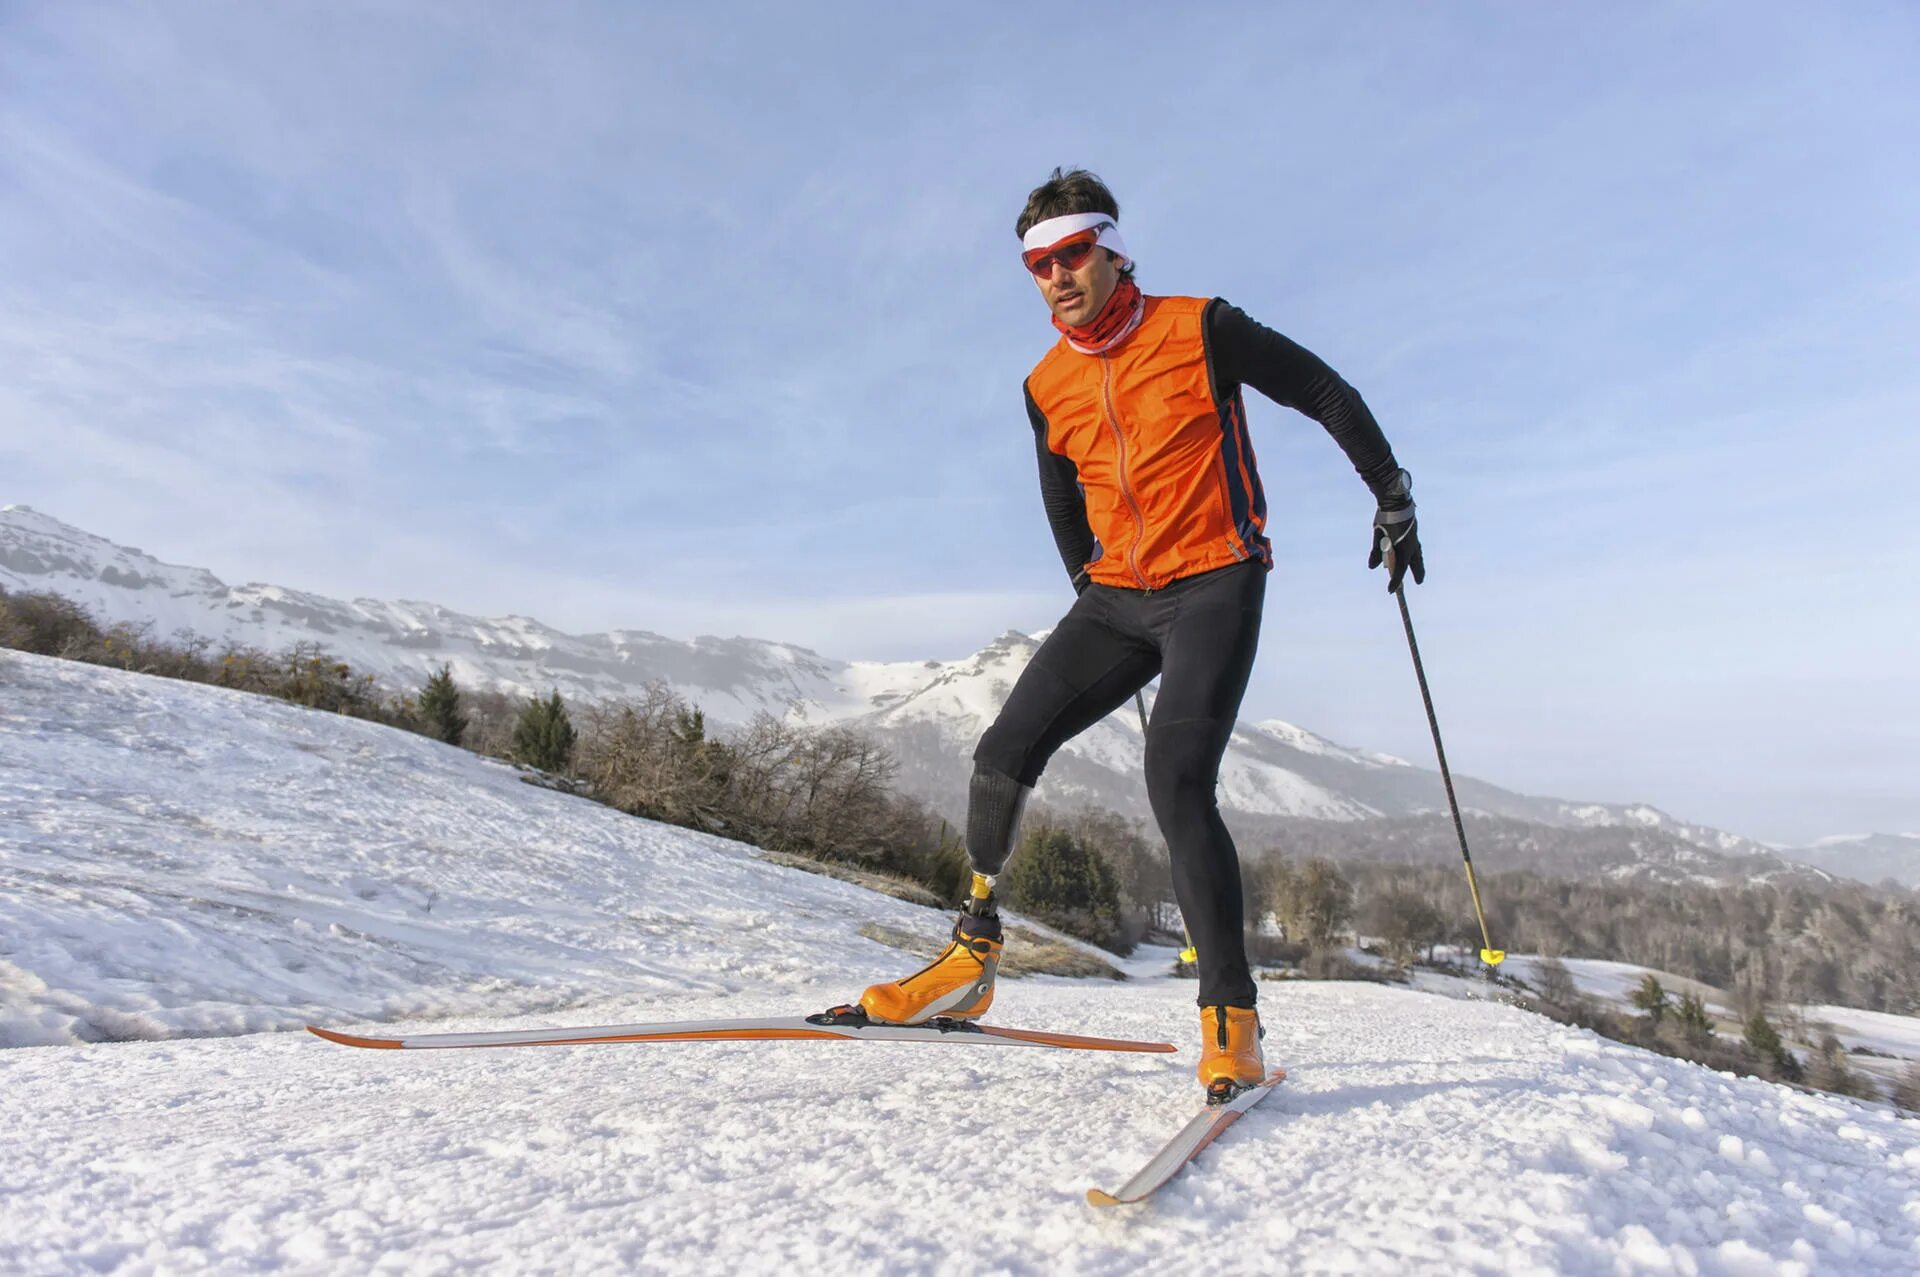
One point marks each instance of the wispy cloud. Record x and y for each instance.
(709, 322)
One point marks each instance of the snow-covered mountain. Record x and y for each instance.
(192, 866)
(1867, 857)
(930, 713)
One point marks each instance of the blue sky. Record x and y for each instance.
(709, 320)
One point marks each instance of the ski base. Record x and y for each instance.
(842, 1024)
(1205, 1127)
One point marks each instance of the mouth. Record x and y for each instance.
(1067, 299)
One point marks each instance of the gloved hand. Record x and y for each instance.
(1394, 525)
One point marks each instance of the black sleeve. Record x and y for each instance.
(1060, 493)
(1244, 351)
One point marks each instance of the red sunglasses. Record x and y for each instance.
(1071, 252)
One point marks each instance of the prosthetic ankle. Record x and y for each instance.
(980, 902)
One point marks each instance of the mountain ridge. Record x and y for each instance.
(929, 712)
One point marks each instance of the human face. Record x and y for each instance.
(1076, 296)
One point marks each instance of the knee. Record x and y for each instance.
(1182, 770)
(1009, 747)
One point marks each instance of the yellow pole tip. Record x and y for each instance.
(1493, 957)
(1189, 955)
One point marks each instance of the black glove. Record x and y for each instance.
(1394, 525)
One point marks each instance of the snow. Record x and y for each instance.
(175, 859)
(1614, 982)
(1414, 1135)
(1609, 981)
(1308, 743)
(1876, 1030)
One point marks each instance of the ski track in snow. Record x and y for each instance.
(176, 860)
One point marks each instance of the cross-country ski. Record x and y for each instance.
(826, 1027)
(1205, 1127)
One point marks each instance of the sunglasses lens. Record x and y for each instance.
(1071, 256)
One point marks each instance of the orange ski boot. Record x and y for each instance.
(959, 983)
(1230, 1059)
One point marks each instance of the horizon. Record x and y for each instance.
(714, 323)
(850, 659)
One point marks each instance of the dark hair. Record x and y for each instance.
(1068, 191)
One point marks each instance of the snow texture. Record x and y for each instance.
(180, 860)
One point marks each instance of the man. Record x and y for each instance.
(1149, 483)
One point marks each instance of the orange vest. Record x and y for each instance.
(1164, 461)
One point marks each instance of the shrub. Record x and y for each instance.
(1313, 902)
(1906, 1092)
(1555, 982)
(46, 624)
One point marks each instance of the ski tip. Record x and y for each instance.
(348, 1039)
(1101, 1197)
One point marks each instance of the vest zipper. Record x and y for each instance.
(1126, 489)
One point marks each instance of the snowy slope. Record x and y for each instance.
(1883, 1045)
(930, 713)
(1416, 1135)
(180, 859)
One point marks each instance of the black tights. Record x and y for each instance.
(1199, 635)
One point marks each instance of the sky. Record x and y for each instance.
(709, 319)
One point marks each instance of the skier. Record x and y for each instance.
(1148, 478)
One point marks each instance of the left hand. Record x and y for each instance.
(1395, 528)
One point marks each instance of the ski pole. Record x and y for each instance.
(1488, 954)
(1189, 954)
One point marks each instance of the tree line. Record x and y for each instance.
(823, 792)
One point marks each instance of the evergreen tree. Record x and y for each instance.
(1691, 1018)
(1772, 1056)
(1651, 997)
(440, 707)
(544, 736)
(1062, 881)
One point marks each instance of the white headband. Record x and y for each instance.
(1054, 229)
